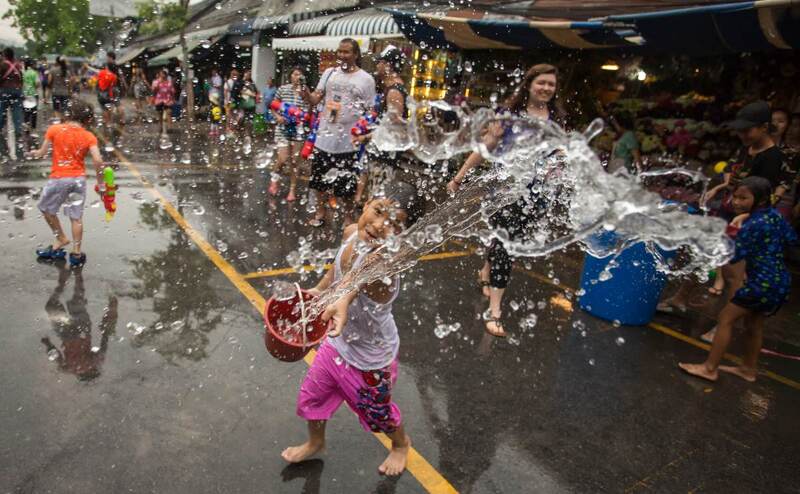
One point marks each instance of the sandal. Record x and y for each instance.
(77, 260)
(669, 308)
(497, 334)
(51, 253)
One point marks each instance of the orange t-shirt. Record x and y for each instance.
(71, 142)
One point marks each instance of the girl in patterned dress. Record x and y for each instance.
(760, 245)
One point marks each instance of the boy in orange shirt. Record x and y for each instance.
(67, 184)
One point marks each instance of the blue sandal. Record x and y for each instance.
(51, 253)
(76, 260)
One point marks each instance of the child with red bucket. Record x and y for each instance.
(357, 363)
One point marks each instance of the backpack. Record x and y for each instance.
(106, 80)
(236, 91)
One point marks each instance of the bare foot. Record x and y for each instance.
(700, 370)
(296, 454)
(395, 463)
(495, 328)
(745, 373)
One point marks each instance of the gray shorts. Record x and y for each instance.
(70, 191)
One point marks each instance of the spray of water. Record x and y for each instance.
(553, 176)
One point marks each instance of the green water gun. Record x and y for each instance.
(109, 192)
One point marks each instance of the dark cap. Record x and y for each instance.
(752, 115)
(393, 56)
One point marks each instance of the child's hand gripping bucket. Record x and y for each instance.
(280, 317)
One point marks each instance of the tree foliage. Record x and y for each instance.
(57, 26)
(157, 17)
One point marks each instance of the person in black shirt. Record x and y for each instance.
(758, 157)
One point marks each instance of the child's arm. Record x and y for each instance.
(490, 140)
(42, 151)
(324, 283)
(97, 159)
(739, 220)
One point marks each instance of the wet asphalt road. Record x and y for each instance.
(146, 370)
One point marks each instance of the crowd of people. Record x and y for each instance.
(28, 85)
(758, 196)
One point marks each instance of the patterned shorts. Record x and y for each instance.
(331, 381)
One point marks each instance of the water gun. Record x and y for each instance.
(364, 124)
(363, 127)
(308, 146)
(109, 192)
(290, 112)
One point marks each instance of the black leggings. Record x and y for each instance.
(500, 264)
(30, 116)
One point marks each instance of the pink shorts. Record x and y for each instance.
(331, 380)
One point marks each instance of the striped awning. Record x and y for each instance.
(264, 23)
(472, 30)
(704, 30)
(364, 24)
(312, 27)
(317, 43)
(719, 29)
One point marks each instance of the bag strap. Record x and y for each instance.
(13, 68)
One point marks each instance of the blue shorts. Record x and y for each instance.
(756, 304)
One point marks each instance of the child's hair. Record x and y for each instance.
(79, 111)
(62, 64)
(761, 190)
(407, 199)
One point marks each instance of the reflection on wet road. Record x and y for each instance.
(146, 371)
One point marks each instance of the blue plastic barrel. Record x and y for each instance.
(631, 295)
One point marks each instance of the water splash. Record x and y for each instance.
(551, 176)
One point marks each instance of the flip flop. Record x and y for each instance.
(51, 253)
(668, 308)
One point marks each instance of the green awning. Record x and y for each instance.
(174, 52)
(205, 38)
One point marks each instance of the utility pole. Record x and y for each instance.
(188, 84)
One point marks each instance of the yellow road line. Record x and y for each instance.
(282, 271)
(279, 272)
(430, 479)
(675, 334)
(705, 346)
(229, 271)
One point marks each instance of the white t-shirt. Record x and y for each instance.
(347, 97)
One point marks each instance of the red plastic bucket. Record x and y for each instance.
(279, 315)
